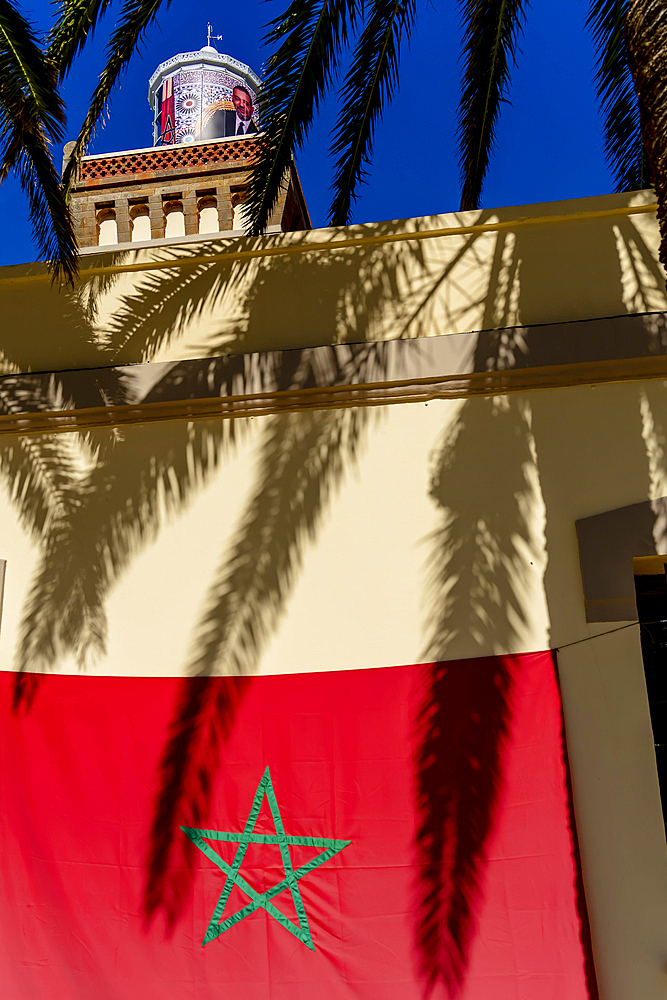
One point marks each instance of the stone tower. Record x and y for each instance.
(192, 182)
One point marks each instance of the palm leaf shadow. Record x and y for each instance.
(118, 506)
(115, 508)
(482, 594)
(303, 457)
(43, 474)
(464, 721)
(203, 719)
(163, 303)
(39, 473)
(643, 277)
(240, 295)
(477, 586)
(103, 515)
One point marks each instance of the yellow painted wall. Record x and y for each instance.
(414, 531)
(546, 263)
(451, 534)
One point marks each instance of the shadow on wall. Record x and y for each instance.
(465, 719)
(478, 588)
(207, 303)
(485, 564)
(352, 295)
(92, 500)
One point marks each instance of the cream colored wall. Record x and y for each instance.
(619, 820)
(199, 299)
(451, 534)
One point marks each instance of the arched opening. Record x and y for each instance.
(238, 198)
(174, 220)
(208, 215)
(140, 221)
(107, 230)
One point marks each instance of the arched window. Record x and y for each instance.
(237, 221)
(140, 221)
(174, 219)
(238, 197)
(107, 230)
(208, 215)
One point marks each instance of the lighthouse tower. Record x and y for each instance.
(192, 181)
(202, 95)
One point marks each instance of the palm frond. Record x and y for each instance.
(27, 80)
(623, 144)
(32, 117)
(311, 35)
(491, 32)
(49, 213)
(75, 26)
(369, 84)
(135, 18)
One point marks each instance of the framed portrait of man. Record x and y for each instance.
(223, 118)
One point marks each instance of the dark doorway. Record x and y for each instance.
(651, 589)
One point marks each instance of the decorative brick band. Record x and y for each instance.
(168, 158)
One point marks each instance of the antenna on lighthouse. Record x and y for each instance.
(210, 35)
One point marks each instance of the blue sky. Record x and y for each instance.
(549, 140)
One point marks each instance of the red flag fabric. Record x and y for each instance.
(383, 833)
(167, 116)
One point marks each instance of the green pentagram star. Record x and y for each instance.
(292, 877)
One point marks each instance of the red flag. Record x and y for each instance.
(167, 131)
(362, 834)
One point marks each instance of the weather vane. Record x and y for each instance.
(217, 38)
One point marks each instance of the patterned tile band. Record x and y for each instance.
(168, 158)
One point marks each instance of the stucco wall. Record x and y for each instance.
(356, 537)
(524, 265)
(335, 539)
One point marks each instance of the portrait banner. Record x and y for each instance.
(197, 104)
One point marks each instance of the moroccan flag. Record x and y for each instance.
(388, 834)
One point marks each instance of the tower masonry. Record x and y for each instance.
(193, 180)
